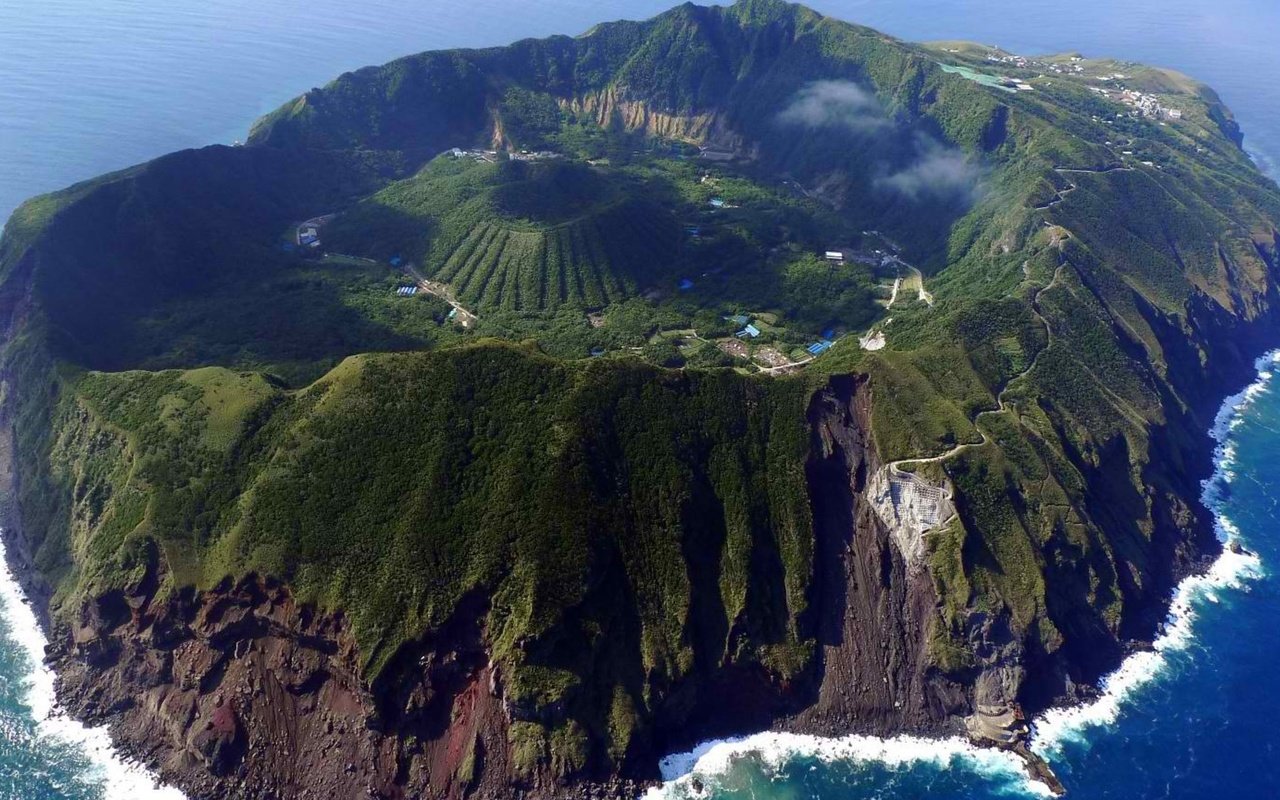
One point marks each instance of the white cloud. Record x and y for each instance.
(835, 103)
(938, 172)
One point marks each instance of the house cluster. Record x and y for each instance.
(483, 156)
(308, 233)
(494, 156)
(716, 154)
(1074, 67)
(870, 258)
(996, 57)
(309, 236)
(1143, 105)
(535, 155)
(1149, 106)
(407, 291)
(748, 331)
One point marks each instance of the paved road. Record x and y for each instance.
(1000, 408)
(466, 317)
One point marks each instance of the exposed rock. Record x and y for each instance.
(614, 106)
(909, 506)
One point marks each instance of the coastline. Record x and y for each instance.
(24, 608)
(1232, 569)
(124, 773)
(688, 774)
(25, 596)
(121, 778)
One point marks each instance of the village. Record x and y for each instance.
(753, 341)
(1141, 104)
(494, 156)
(758, 342)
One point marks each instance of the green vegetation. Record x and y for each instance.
(193, 398)
(518, 236)
(398, 484)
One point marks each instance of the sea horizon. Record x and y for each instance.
(105, 126)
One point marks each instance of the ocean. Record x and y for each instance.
(89, 86)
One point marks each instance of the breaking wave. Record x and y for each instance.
(697, 774)
(1232, 570)
(120, 779)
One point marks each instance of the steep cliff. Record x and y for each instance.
(292, 536)
(240, 689)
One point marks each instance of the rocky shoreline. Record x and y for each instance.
(126, 686)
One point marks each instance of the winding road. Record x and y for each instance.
(465, 317)
(1061, 194)
(896, 466)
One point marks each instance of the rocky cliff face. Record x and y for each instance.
(613, 106)
(242, 691)
(874, 604)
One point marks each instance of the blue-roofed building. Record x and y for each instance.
(685, 284)
(818, 348)
(717, 202)
(453, 312)
(739, 319)
(749, 332)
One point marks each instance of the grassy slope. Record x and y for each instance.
(623, 519)
(644, 503)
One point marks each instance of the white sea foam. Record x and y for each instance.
(1232, 570)
(707, 764)
(703, 766)
(121, 779)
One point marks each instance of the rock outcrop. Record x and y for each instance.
(243, 691)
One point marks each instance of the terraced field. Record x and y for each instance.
(595, 260)
(520, 237)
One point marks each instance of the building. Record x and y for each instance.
(835, 256)
(749, 332)
(711, 154)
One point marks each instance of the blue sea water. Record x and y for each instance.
(88, 86)
(1195, 719)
